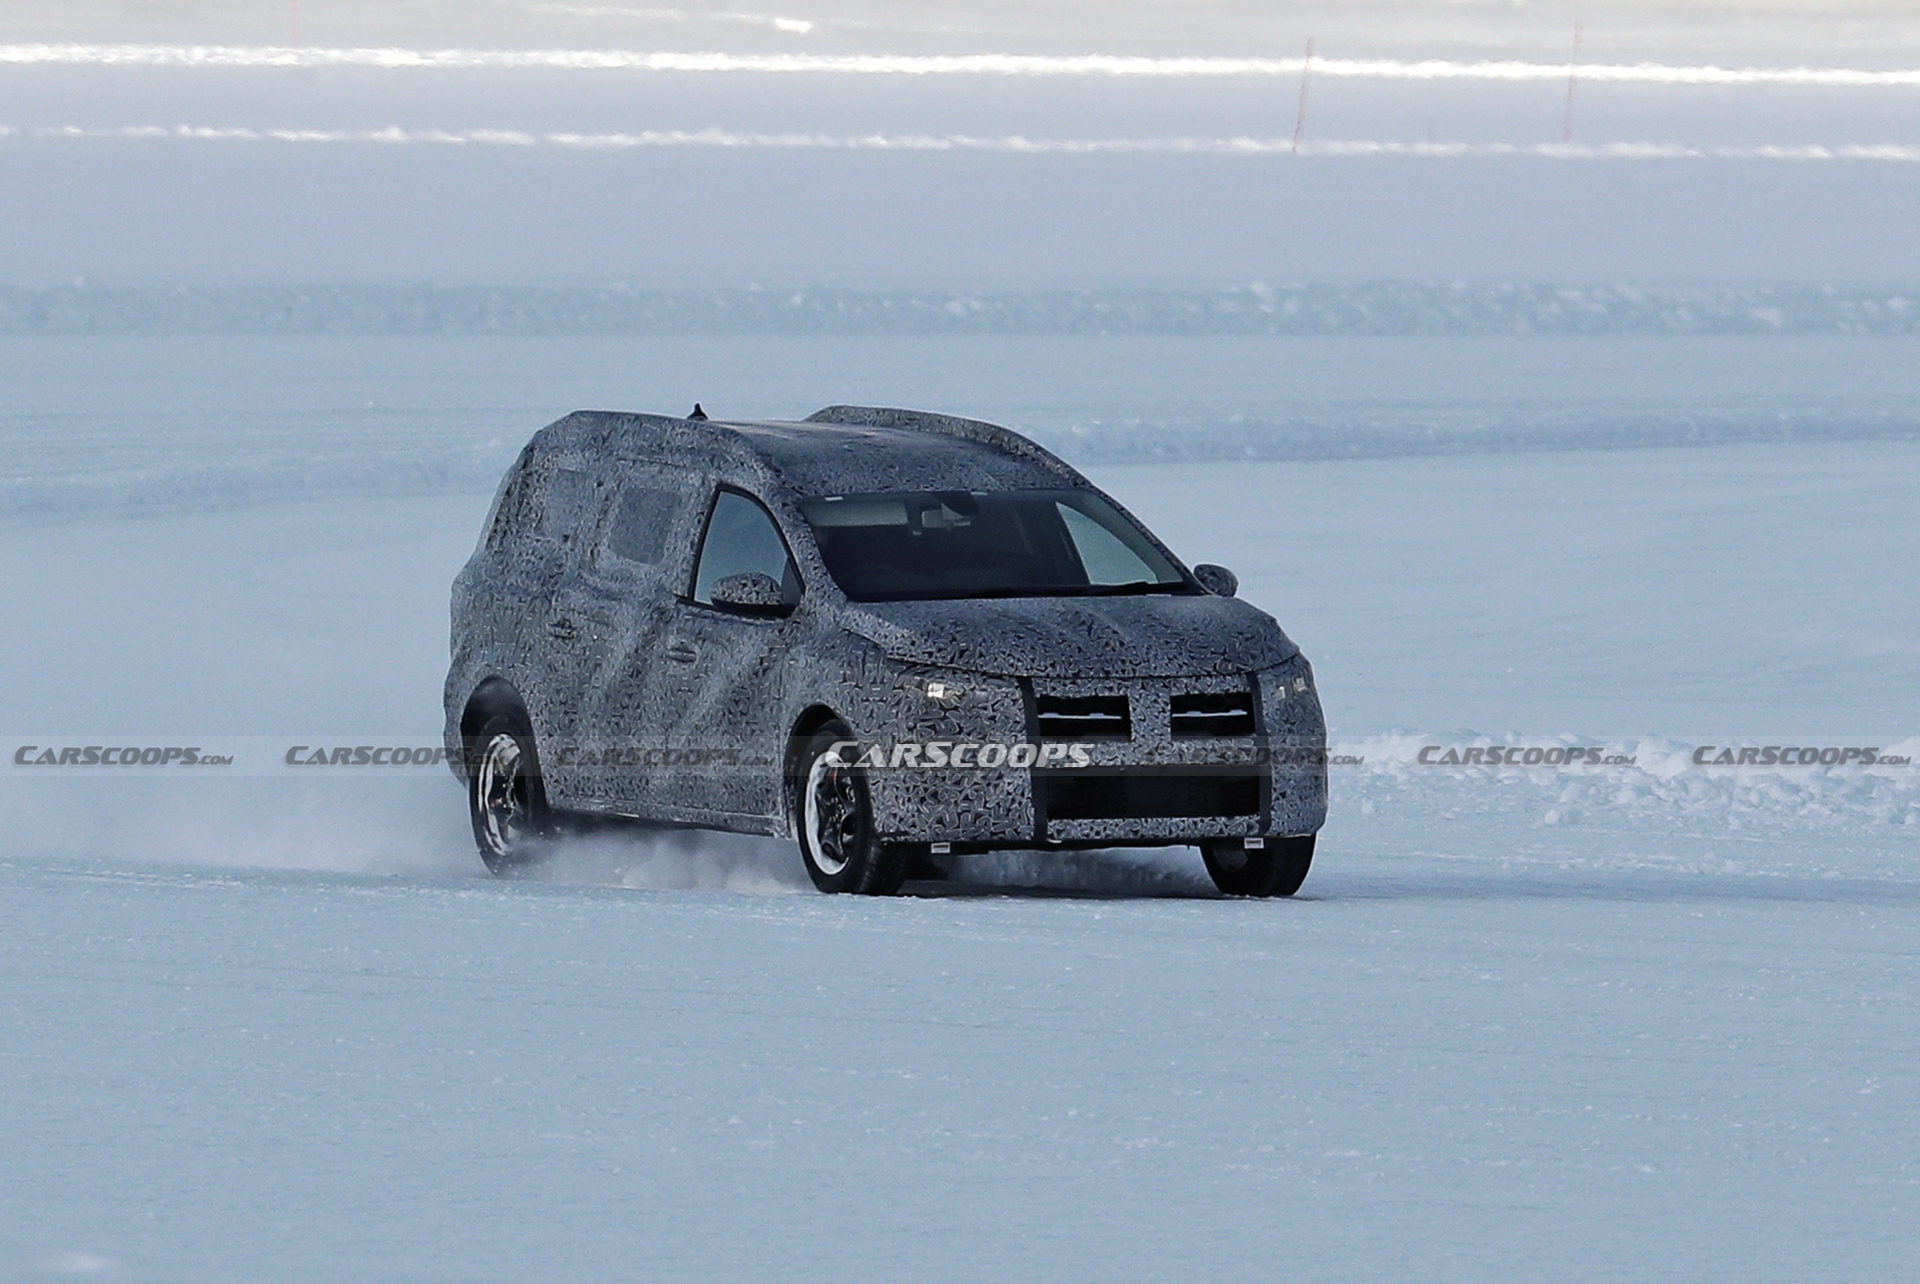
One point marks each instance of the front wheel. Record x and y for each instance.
(1277, 869)
(837, 839)
(511, 820)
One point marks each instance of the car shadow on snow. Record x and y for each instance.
(658, 858)
(1101, 874)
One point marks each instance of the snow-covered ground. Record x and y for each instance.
(1420, 1072)
(1613, 1020)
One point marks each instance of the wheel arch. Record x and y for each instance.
(811, 719)
(493, 696)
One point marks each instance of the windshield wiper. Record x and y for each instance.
(1132, 588)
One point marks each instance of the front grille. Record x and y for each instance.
(1223, 713)
(1094, 794)
(1102, 717)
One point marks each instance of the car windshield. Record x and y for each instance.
(924, 545)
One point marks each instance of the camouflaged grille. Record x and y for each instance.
(1100, 717)
(1093, 794)
(1211, 714)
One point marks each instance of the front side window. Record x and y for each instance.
(922, 545)
(741, 539)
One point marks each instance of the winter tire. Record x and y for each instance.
(508, 802)
(837, 839)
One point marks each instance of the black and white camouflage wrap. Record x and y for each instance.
(647, 704)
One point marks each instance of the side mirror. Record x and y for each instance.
(754, 593)
(1217, 580)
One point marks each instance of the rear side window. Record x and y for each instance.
(569, 509)
(643, 516)
(741, 538)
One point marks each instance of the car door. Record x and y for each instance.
(605, 625)
(720, 676)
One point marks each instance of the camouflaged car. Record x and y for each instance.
(894, 636)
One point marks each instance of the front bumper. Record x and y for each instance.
(1025, 779)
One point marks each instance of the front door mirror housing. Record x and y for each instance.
(754, 593)
(1217, 580)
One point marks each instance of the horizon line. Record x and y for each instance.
(1015, 144)
(978, 64)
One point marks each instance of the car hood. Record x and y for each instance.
(1126, 637)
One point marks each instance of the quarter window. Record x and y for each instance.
(1103, 554)
(741, 539)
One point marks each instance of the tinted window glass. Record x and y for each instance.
(741, 538)
(951, 544)
(642, 518)
(1103, 554)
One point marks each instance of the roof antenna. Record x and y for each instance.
(697, 412)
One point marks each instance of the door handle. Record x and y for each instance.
(681, 653)
(563, 629)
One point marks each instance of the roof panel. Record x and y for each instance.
(838, 459)
(812, 458)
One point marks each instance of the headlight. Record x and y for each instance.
(1285, 681)
(945, 693)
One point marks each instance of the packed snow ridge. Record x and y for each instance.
(1376, 308)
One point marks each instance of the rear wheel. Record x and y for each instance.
(508, 802)
(837, 839)
(1276, 869)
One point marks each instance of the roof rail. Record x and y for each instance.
(952, 426)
